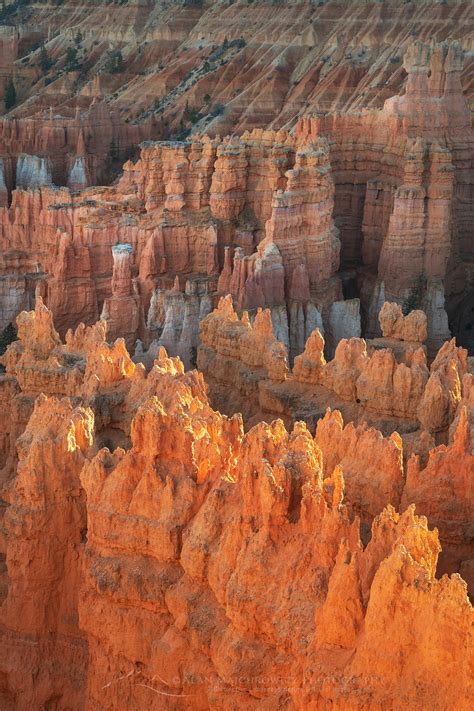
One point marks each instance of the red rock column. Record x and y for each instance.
(122, 273)
(301, 224)
(122, 310)
(227, 195)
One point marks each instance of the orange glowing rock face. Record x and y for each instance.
(161, 557)
(289, 524)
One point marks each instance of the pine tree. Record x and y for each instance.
(10, 94)
(118, 62)
(45, 61)
(114, 152)
(7, 336)
(114, 64)
(72, 62)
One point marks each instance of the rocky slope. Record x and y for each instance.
(265, 62)
(157, 556)
(374, 205)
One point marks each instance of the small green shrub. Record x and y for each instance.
(45, 60)
(10, 94)
(7, 336)
(72, 60)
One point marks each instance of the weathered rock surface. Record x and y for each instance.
(404, 328)
(397, 210)
(243, 536)
(172, 207)
(448, 473)
(123, 311)
(382, 385)
(374, 205)
(159, 557)
(45, 653)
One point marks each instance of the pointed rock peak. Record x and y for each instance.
(334, 416)
(225, 307)
(263, 322)
(461, 440)
(36, 331)
(162, 353)
(81, 150)
(245, 318)
(315, 342)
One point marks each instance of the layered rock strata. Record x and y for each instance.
(122, 310)
(75, 146)
(401, 198)
(372, 206)
(227, 66)
(177, 207)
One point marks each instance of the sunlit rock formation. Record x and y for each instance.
(177, 209)
(159, 556)
(384, 383)
(320, 223)
(290, 525)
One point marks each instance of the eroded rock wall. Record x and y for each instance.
(402, 176)
(372, 205)
(183, 563)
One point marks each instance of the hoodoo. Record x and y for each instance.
(236, 355)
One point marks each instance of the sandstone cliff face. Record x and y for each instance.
(301, 221)
(448, 470)
(400, 209)
(73, 146)
(45, 524)
(291, 220)
(245, 535)
(186, 564)
(177, 209)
